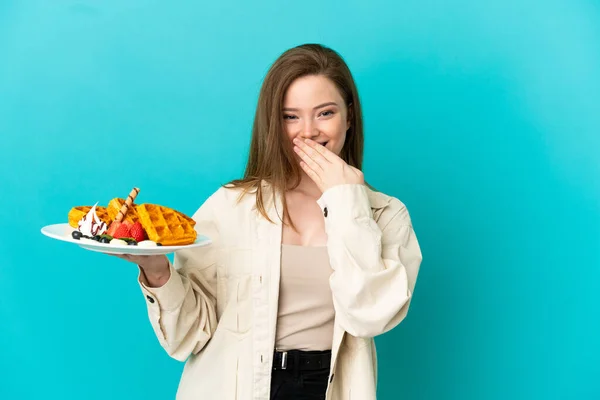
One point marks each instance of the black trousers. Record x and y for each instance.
(299, 385)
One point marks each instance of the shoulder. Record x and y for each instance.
(388, 209)
(227, 194)
(226, 198)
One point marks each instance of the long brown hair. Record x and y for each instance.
(271, 157)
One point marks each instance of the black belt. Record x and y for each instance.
(301, 360)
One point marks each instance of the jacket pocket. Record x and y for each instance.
(237, 261)
(236, 280)
(244, 304)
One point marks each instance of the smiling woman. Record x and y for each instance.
(307, 264)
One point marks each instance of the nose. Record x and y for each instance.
(309, 129)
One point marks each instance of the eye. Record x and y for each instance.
(289, 117)
(327, 113)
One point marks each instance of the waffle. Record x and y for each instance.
(115, 205)
(165, 225)
(77, 213)
(132, 215)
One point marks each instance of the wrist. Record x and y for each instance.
(157, 274)
(156, 280)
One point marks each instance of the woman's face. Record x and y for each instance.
(313, 108)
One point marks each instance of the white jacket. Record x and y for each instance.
(218, 309)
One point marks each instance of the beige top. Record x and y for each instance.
(305, 315)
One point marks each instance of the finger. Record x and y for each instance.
(314, 165)
(137, 259)
(311, 152)
(322, 150)
(129, 257)
(311, 173)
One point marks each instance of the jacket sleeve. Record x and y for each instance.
(182, 311)
(375, 266)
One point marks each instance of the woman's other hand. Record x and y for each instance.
(324, 167)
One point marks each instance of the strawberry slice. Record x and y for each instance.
(121, 232)
(137, 232)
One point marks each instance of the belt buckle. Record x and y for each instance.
(284, 360)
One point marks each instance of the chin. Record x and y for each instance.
(331, 147)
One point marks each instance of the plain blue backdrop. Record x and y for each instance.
(482, 116)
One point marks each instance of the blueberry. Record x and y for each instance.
(159, 244)
(104, 240)
(76, 235)
(132, 243)
(96, 238)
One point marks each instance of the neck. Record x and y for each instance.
(308, 186)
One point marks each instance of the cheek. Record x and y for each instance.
(339, 145)
(337, 138)
(335, 130)
(289, 130)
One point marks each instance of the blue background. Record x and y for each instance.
(482, 116)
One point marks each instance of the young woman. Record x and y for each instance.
(307, 265)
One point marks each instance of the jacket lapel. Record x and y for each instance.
(267, 242)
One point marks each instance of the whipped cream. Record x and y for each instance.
(91, 225)
(117, 242)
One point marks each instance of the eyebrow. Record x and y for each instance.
(331, 103)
